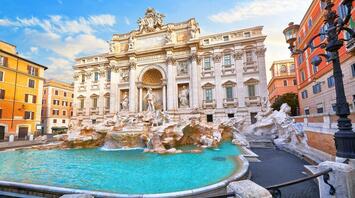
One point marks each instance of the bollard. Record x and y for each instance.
(11, 138)
(31, 138)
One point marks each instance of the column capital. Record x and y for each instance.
(132, 65)
(194, 57)
(170, 60)
(238, 55)
(260, 52)
(217, 58)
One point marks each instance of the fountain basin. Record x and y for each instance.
(131, 173)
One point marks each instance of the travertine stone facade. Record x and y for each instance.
(216, 75)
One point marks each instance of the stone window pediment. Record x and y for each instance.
(229, 83)
(251, 81)
(81, 97)
(208, 86)
(94, 96)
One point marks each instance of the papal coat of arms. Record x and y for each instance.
(151, 21)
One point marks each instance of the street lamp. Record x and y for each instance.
(345, 136)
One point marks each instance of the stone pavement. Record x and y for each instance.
(18, 144)
(278, 166)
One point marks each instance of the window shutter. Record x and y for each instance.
(5, 61)
(28, 69)
(34, 99)
(26, 97)
(32, 115)
(2, 94)
(36, 71)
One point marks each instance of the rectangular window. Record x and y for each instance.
(331, 81)
(303, 76)
(319, 109)
(30, 98)
(315, 69)
(300, 59)
(54, 120)
(82, 78)
(208, 96)
(2, 94)
(64, 113)
(3, 61)
(353, 69)
(251, 90)
(247, 34)
(225, 38)
(294, 82)
(306, 111)
(249, 56)
(29, 115)
(1, 76)
(55, 112)
(206, 41)
(96, 76)
(292, 68)
(209, 117)
(317, 88)
(56, 92)
(108, 75)
(229, 92)
(63, 121)
(94, 103)
(0, 113)
(65, 94)
(334, 107)
(285, 83)
(32, 70)
(253, 117)
(230, 115)
(207, 63)
(31, 83)
(81, 103)
(310, 23)
(304, 94)
(107, 105)
(227, 59)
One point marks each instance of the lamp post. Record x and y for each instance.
(345, 136)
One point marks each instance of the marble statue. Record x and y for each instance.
(151, 21)
(124, 75)
(183, 70)
(184, 97)
(170, 35)
(131, 42)
(112, 47)
(150, 100)
(125, 102)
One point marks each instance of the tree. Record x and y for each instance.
(291, 99)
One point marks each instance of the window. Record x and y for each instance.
(55, 102)
(208, 95)
(96, 76)
(71, 113)
(64, 113)
(94, 103)
(229, 92)
(54, 120)
(2, 94)
(207, 63)
(230, 115)
(303, 76)
(342, 11)
(249, 56)
(292, 68)
(331, 81)
(93, 121)
(315, 69)
(96, 59)
(306, 111)
(247, 34)
(56, 92)
(65, 94)
(225, 38)
(251, 90)
(227, 59)
(63, 121)
(253, 117)
(107, 102)
(294, 82)
(320, 108)
(72, 95)
(304, 94)
(108, 75)
(310, 23)
(334, 107)
(64, 103)
(55, 112)
(209, 117)
(206, 41)
(1, 76)
(300, 59)
(82, 103)
(317, 88)
(82, 78)
(32, 70)
(30, 98)
(353, 69)
(29, 115)
(3, 61)
(31, 83)
(285, 83)
(70, 104)
(0, 113)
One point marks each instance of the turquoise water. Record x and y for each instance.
(125, 171)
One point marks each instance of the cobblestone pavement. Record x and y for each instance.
(278, 166)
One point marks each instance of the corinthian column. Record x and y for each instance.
(218, 72)
(194, 80)
(171, 83)
(260, 53)
(132, 86)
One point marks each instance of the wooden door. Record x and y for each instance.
(22, 132)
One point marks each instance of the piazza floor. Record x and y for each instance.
(278, 166)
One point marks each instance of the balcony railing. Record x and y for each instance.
(228, 69)
(209, 103)
(207, 72)
(230, 102)
(256, 100)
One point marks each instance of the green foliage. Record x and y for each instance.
(291, 99)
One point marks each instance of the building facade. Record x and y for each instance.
(21, 87)
(316, 83)
(57, 106)
(283, 79)
(171, 65)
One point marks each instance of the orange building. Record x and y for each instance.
(283, 79)
(21, 86)
(316, 83)
(57, 106)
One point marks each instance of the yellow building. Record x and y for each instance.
(21, 89)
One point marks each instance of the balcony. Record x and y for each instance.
(207, 73)
(350, 46)
(250, 67)
(80, 112)
(94, 110)
(209, 104)
(252, 100)
(95, 85)
(82, 87)
(230, 102)
(107, 85)
(228, 69)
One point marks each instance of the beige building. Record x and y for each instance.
(172, 68)
(57, 106)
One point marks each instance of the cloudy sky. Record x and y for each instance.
(54, 32)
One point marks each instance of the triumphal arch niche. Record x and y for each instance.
(171, 67)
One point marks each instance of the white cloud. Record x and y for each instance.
(126, 20)
(59, 69)
(103, 20)
(34, 50)
(258, 8)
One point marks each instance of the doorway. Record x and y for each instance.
(22, 132)
(2, 133)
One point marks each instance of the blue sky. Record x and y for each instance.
(54, 32)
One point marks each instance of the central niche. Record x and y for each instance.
(152, 79)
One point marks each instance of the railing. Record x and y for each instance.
(275, 189)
